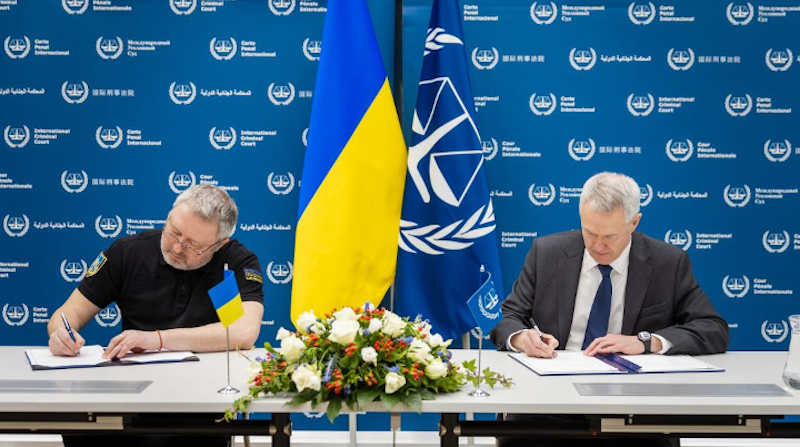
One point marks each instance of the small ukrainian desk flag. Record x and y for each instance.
(227, 300)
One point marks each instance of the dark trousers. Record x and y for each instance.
(575, 421)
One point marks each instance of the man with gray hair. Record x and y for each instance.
(160, 281)
(608, 289)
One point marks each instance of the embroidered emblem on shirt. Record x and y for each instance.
(97, 264)
(253, 275)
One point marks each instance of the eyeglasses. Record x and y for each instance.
(186, 245)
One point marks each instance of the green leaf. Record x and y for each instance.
(414, 402)
(269, 348)
(366, 396)
(334, 407)
(390, 401)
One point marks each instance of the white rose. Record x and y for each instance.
(375, 325)
(282, 333)
(419, 351)
(292, 348)
(346, 314)
(305, 377)
(437, 340)
(343, 331)
(394, 382)
(305, 320)
(369, 355)
(436, 369)
(393, 325)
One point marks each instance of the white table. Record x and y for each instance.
(191, 387)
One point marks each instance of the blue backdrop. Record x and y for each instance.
(110, 108)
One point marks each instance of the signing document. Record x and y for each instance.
(92, 356)
(576, 362)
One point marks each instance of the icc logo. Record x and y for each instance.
(680, 239)
(485, 58)
(640, 105)
(641, 13)
(182, 7)
(15, 315)
(182, 93)
(280, 94)
(489, 148)
(542, 195)
(680, 59)
(736, 196)
(16, 137)
(17, 47)
(738, 105)
(645, 195)
(108, 317)
(312, 49)
(74, 182)
(279, 273)
(582, 59)
(777, 151)
(16, 226)
(544, 13)
(774, 332)
(222, 49)
(581, 150)
(488, 304)
(109, 48)
(735, 286)
(776, 60)
(280, 184)
(543, 105)
(179, 183)
(108, 227)
(74, 92)
(75, 6)
(72, 271)
(222, 139)
(281, 7)
(108, 137)
(679, 150)
(739, 14)
(775, 241)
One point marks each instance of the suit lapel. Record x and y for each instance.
(639, 270)
(569, 271)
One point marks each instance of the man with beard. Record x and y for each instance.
(160, 281)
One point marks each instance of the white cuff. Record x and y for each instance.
(665, 344)
(508, 340)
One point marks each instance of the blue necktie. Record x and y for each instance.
(597, 326)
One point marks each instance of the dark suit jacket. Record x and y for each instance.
(661, 295)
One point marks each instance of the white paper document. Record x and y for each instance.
(92, 356)
(576, 362)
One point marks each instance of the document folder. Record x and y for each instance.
(576, 362)
(92, 356)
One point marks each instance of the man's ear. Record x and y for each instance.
(635, 220)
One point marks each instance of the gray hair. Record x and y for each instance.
(605, 191)
(213, 204)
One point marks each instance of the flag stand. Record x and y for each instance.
(228, 389)
(478, 391)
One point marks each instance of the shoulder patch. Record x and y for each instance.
(97, 264)
(253, 275)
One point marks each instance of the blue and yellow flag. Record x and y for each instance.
(352, 188)
(227, 300)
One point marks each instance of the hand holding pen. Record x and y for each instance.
(534, 343)
(64, 341)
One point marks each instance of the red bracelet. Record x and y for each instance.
(160, 340)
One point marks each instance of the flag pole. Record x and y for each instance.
(478, 391)
(228, 389)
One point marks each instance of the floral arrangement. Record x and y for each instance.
(355, 356)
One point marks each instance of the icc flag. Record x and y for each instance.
(485, 305)
(352, 189)
(226, 299)
(447, 229)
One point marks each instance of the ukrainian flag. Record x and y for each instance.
(354, 172)
(227, 300)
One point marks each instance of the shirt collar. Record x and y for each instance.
(619, 265)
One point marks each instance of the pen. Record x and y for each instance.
(66, 326)
(539, 332)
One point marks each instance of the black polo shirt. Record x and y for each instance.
(151, 294)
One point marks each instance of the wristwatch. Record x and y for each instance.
(645, 338)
